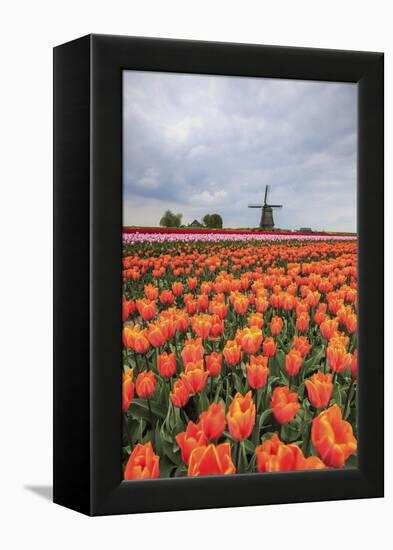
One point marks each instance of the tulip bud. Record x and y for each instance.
(143, 463)
(211, 460)
(213, 422)
(319, 389)
(241, 416)
(146, 384)
(285, 405)
(166, 364)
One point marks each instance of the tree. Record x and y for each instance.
(169, 219)
(213, 221)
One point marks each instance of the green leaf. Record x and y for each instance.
(181, 471)
(264, 416)
(140, 409)
(289, 432)
(203, 402)
(249, 446)
(312, 362)
(351, 462)
(166, 467)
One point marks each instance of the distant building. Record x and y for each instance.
(305, 230)
(196, 224)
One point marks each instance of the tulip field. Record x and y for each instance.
(239, 353)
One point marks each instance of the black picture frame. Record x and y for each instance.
(87, 273)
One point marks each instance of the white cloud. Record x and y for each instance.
(181, 131)
(208, 197)
(197, 151)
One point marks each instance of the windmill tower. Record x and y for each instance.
(267, 221)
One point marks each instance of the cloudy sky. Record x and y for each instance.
(199, 144)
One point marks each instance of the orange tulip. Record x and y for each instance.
(257, 372)
(269, 347)
(285, 405)
(288, 302)
(203, 302)
(218, 308)
(136, 339)
(177, 288)
(261, 304)
(241, 416)
(312, 299)
(329, 328)
(302, 345)
(128, 308)
(338, 359)
(143, 463)
(156, 335)
(213, 363)
(255, 320)
(293, 362)
(319, 389)
(167, 298)
(351, 323)
(232, 353)
(240, 304)
(201, 325)
(193, 351)
(192, 283)
(191, 306)
(302, 322)
(182, 321)
(195, 377)
(276, 325)
(211, 460)
(179, 394)
(167, 326)
(151, 292)
(213, 422)
(251, 340)
(217, 327)
(190, 439)
(166, 364)
(146, 384)
(146, 308)
(274, 456)
(128, 390)
(320, 314)
(332, 437)
(206, 287)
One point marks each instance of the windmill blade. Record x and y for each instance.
(266, 192)
(275, 205)
(255, 206)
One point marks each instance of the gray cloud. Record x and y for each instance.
(198, 144)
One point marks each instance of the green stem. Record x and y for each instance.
(238, 456)
(150, 414)
(347, 407)
(308, 440)
(256, 401)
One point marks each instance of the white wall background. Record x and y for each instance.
(28, 31)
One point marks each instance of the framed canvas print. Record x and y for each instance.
(218, 275)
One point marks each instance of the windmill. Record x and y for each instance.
(267, 221)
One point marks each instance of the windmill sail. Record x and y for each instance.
(266, 193)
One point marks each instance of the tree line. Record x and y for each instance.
(211, 221)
